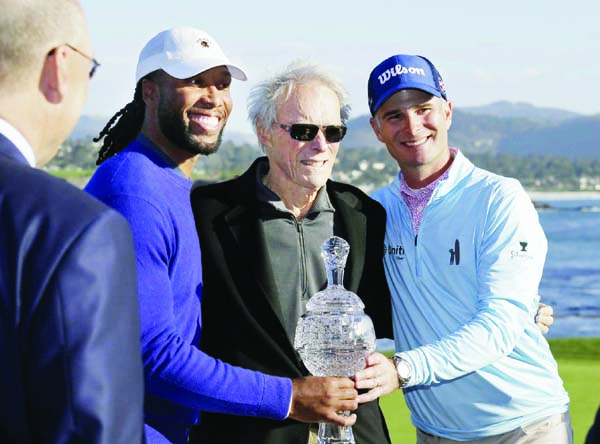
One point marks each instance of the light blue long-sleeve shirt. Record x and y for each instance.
(464, 297)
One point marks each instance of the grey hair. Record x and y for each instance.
(267, 95)
(29, 29)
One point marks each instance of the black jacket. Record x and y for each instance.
(593, 436)
(241, 314)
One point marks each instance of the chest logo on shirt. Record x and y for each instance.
(397, 251)
(455, 253)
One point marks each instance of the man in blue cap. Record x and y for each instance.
(464, 258)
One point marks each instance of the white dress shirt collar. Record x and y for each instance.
(18, 140)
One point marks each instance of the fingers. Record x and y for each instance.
(368, 377)
(379, 376)
(348, 418)
(545, 309)
(542, 328)
(372, 394)
(319, 399)
(546, 320)
(544, 317)
(343, 418)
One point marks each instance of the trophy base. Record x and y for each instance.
(332, 434)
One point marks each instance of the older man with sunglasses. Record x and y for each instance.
(261, 235)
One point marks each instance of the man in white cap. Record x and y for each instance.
(181, 104)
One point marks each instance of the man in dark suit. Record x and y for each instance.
(70, 361)
(260, 236)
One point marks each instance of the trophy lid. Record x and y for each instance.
(335, 298)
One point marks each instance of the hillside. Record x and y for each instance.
(499, 128)
(471, 132)
(578, 137)
(521, 110)
(544, 134)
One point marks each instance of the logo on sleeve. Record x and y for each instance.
(522, 253)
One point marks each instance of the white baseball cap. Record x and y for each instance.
(183, 52)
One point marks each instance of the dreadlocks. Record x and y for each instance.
(117, 137)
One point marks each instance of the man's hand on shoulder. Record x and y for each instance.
(544, 318)
(319, 399)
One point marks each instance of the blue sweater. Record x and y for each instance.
(180, 379)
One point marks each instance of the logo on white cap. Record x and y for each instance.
(183, 52)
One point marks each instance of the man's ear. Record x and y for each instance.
(264, 135)
(448, 114)
(375, 126)
(53, 79)
(150, 93)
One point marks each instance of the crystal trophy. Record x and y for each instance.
(334, 336)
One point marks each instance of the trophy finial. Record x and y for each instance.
(335, 252)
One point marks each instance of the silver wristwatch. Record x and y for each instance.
(403, 368)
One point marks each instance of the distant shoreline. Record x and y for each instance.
(543, 196)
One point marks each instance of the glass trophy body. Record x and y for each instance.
(334, 336)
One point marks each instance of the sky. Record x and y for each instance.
(542, 52)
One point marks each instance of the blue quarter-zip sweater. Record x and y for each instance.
(464, 297)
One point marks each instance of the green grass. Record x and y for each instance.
(578, 365)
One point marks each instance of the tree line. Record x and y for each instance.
(367, 168)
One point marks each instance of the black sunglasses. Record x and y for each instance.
(93, 61)
(305, 132)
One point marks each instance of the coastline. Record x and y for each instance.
(543, 196)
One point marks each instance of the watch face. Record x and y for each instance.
(403, 369)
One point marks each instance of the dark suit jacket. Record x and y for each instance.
(70, 359)
(593, 435)
(241, 314)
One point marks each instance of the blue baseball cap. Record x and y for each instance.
(403, 71)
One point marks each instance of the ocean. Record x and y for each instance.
(571, 279)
